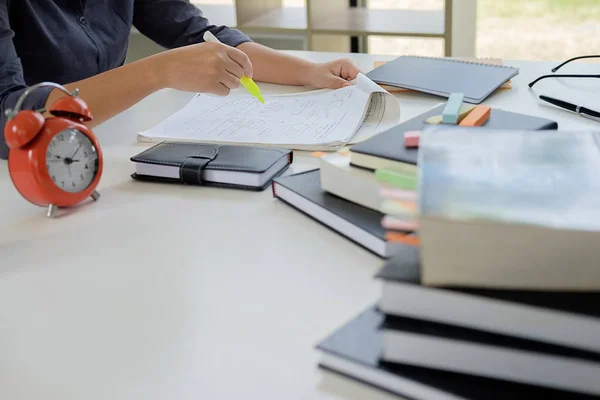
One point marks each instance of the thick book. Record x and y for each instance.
(357, 223)
(387, 149)
(451, 348)
(240, 167)
(354, 184)
(569, 319)
(443, 76)
(355, 349)
(510, 209)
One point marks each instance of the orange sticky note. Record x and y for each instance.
(477, 117)
(318, 154)
(404, 238)
(411, 138)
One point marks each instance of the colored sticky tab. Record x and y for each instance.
(406, 211)
(465, 109)
(318, 154)
(396, 224)
(477, 117)
(397, 179)
(399, 194)
(408, 239)
(452, 109)
(411, 138)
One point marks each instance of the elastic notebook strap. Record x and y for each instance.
(191, 169)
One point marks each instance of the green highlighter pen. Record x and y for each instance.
(246, 82)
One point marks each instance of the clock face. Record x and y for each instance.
(72, 160)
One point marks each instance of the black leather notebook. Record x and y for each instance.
(354, 351)
(387, 150)
(239, 167)
(548, 316)
(359, 224)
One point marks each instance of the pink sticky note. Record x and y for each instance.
(396, 224)
(411, 138)
(399, 194)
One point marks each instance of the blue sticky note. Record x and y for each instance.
(452, 109)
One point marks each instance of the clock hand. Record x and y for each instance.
(78, 147)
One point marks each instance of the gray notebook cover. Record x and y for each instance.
(442, 77)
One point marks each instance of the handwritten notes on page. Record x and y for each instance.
(324, 120)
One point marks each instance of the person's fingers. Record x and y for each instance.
(234, 68)
(242, 59)
(221, 90)
(348, 70)
(335, 82)
(229, 80)
(345, 69)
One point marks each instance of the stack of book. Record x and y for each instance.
(355, 190)
(425, 342)
(502, 299)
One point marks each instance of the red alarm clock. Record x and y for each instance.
(56, 161)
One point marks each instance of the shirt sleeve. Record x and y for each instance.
(177, 23)
(12, 83)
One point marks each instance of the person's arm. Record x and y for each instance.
(175, 23)
(172, 24)
(12, 83)
(192, 65)
(204, 68)
(278, 67)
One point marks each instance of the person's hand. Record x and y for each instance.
(204, 68)
(332, 75)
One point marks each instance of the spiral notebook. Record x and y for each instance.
(444, 76)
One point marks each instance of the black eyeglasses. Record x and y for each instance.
(566, 75)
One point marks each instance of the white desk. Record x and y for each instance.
(177, 292)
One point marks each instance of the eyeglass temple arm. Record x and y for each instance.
(561, 76)
(573, 59)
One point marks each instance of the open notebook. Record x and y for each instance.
(317, 120)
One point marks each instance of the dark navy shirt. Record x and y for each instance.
(64, 41)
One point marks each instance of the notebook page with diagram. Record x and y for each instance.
(319, 120)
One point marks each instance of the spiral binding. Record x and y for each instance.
(461, 61)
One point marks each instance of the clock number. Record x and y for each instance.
(62, 183)
(73, 183)
(86, 166)
(61, 138)
(52, 144)
(85, 154)
(54, 178)
(81, 176)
